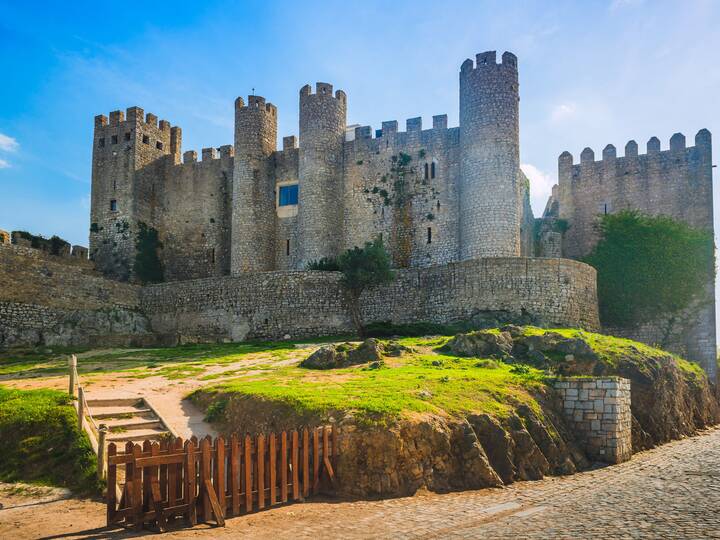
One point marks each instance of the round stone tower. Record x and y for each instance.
(490, 199)
(322, 134)
(253, 202)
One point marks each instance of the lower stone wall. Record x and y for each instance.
(50, 300)
(275, 304)
(599, 411)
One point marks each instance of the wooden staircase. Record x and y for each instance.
(128, 419)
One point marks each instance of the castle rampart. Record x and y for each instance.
(676, 182)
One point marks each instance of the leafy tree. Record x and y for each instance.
(650, 267)
(363, 268)
(326, 264)
(148, 267)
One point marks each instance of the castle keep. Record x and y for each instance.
(434, 195)
(238, 226)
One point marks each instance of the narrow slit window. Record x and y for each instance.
(113, 139)
(113, 205)
(212, 255)
(432, 170)
(426, 171)
(127, 135)
(429, 235)
(287, 248)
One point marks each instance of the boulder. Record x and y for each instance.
(481, 344)
(344, 355)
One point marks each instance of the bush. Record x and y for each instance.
(41, 442)
(148, 268)
(649, 267)
(326, 264)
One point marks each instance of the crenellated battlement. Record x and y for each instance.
(132, 115)
(209, 154)
(255, 103)
(488, 59)
(322, 90)
(677, 148)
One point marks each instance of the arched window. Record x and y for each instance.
(432, 169)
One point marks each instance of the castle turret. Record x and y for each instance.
(490, 201)
(253, 207)
(122, 146)
(322, 132)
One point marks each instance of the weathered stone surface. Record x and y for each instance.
(344, 355)
(482, 344)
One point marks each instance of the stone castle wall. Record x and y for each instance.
(599, 411)
(275, 304)
(676, 182)
(49, 300)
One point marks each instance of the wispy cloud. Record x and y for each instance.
(4, 164)
(541, 184)
(562, 112)
(8, 144)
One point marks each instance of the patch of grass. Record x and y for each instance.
(41, 443)
(420, 383)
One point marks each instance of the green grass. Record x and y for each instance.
(41, 443)
(612, 349)
(19, 363)
(423, 382)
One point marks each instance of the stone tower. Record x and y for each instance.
(119, 201)
(253, 207)
(490, 202)
(320, 172)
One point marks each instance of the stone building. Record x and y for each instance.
(676, 182)
(434, 195)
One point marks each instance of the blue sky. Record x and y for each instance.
(591, 73)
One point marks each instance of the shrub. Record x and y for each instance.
(148, 268)
(326, 264)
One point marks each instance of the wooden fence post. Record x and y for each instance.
(72, 368)
(102, 432)
(81, 407)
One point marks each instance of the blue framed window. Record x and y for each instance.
(288, 195)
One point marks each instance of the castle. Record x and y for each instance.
(238, 228)
(434, 195)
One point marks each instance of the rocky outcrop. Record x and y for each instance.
(345, 354)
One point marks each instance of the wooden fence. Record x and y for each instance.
(210, 480)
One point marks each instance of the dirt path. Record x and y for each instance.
(669, 492)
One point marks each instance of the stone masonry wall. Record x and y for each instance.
(48, 300)
(275, 304)
(599, 411)
(676, 182)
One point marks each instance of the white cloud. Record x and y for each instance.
(541, 184)
(8, 144)
(563, 112)
(4, 164)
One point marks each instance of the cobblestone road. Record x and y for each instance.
(670, 492)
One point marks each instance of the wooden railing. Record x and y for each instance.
(96, 433)
(210, 480)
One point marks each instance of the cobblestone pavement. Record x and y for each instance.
(670, 492)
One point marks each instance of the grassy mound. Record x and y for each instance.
(41, 443)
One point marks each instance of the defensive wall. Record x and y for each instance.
(53, 300)
(675, 182)
(275, 304)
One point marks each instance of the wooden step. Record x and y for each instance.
(124, 427)
(119, 411)
(116, 402)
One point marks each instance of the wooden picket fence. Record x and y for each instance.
(209, 480)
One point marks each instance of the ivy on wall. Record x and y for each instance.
(649, 267)
(148, 268)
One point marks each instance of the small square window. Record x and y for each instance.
(288, 195)
(146, 139)
(159, 145)
(113, 139)
(101, 142)
(113, 205)
(127, 135)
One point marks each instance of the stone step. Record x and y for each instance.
(124, 427)
(115, 402)
(138, 435)
(115, 412)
